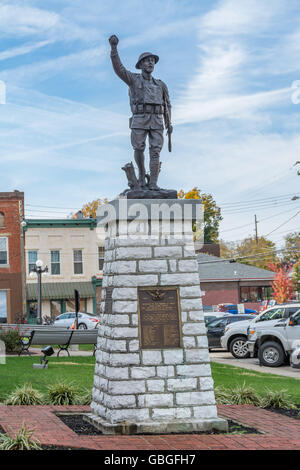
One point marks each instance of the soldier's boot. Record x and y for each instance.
(154, 172)
(140, 161)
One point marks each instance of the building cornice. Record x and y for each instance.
(60, 223)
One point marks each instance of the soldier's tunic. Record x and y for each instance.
(147, 98)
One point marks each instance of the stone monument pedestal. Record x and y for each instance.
(152, 372)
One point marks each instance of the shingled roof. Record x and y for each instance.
(214, 268)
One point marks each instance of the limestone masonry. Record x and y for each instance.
(151, 390)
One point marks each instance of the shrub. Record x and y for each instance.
(222, 396)
(62, 393)
(240, 395)
(25, 395)
(278, 399)
(22, 440)
(11, 339)
(85, 398)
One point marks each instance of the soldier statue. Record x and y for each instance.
(149, 102)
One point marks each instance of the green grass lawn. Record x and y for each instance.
(80, 371)
(19, 370)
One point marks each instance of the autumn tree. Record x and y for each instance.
(250, 251)
(283, 284)
(90, 208)
(212, 213)
(292, 248)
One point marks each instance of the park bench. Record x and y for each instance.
(62, 338)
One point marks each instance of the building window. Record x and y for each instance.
(100, 257)
(3, 306)
(255, 294)
(55, 262)
(77, 261)
(2, 220)
(3, 250)
(32, 259)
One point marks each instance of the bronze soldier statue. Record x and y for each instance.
(149, 102)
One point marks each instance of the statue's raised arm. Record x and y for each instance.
(119, 68)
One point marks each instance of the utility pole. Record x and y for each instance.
(256, 236)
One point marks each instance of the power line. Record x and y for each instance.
(283, 223)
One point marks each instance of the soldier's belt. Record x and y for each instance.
(147, 108)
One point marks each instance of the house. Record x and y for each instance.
(225, 282)
(72, 253)
(12, 282)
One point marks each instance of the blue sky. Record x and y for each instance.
(229, 66)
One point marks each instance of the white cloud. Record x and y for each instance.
(22, 50)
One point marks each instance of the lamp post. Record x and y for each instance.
(39, 270)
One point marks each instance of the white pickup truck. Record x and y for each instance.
(274, 340)
(235, 335)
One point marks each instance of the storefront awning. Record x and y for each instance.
(60, 290)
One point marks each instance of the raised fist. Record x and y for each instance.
(113, 40)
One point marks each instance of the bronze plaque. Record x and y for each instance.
(108, 300)
(159, 318)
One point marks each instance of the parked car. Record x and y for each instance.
(215, 328)
(236, 335)
(274, 340)
(85, 320)
(233, 308)
(210, 316)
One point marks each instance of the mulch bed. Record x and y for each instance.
(79, 425)
(287, 412)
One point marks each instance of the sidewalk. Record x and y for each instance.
(224, 357)
(280, 432)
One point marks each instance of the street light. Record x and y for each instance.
(39, 270)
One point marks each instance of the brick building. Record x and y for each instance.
(234, 283)
(12, 283)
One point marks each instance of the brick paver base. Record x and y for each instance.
(279, 432)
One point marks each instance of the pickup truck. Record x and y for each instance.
(235, 335)
(273, 341)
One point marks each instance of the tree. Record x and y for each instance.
(296, 277)
(90, 208)
(292, 247)
(282, 285)
(253, 252)
(212, 213)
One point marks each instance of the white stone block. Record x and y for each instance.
(114, 345)
(179, 279)
(192, 329)
(125, 387)
(153, 266)
(155, 385)
(134, 345)
(168, 252)
(197, 315)
(205, 412)
(173, 356)
(135, 319)
(191, 304)
(182, 384)
(195, 398)
(158, 399)
(135, 280)
(125, 332)
(151, 357)
(183, 316)
(189, 342)
(119, 401)
(134, 415)
(194, 370)
(126, 293)
(164, 413)
(188, 266)
(133, 253)
(124, 267)
(115, 359)
(197, 355)
(117, 372)
(173, 266)
(102, 385)
(190, 291)
(142, 372)
(206, 383)
(165, 371)
(202, 341)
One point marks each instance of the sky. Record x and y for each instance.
(233, 72)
